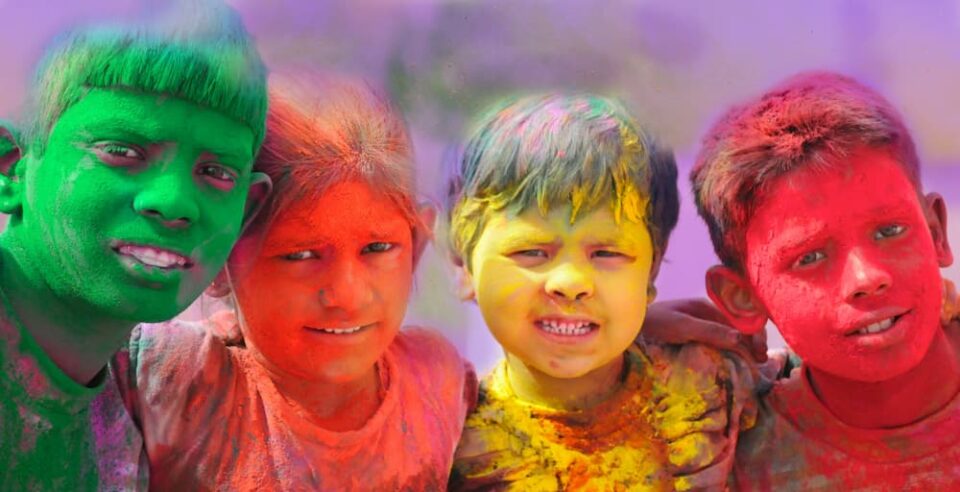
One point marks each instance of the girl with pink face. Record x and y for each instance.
(323, 391)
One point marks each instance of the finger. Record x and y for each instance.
(759, 345)
(700, 331)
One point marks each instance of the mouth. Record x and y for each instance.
(566, 327)
(348, 330)
(152, 257)
(876, 327)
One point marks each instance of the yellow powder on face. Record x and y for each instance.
(666, 422)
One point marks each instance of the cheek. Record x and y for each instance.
(393, 291)
(269, 296)
(795, 305)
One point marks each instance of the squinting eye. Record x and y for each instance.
(122, 151)
(604, 253)
(223, 177)
(810, 258)
(531, 253)
(117, 154)
(891, 230)
(378, 247)
(300, 255)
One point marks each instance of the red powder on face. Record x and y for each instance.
(339, 263)
(833, 251)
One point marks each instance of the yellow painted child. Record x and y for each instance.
(559, 214)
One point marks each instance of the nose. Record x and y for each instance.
(169, 198)
(569, 281)
(863, 277)
(346, 288)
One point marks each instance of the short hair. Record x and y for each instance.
(323, 130)
(580, 149)
(809, 119)
(202, 55)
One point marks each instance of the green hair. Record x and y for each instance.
(202, 55)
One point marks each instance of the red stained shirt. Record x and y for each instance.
(798, 444)
(212, 419)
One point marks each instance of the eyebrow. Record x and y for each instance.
(617, 240)
(527, 237)
(119, 128)
(792, 238)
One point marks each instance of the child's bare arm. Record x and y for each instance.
(697, 320)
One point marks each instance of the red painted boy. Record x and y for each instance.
(813, 199)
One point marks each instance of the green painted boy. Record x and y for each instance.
(125, 192)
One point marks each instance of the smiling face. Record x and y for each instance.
(324, 291)
(844, 262)
(134, 204)
(565, 299)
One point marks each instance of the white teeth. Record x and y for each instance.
(153, 257)
(570, 328)
(876, 327)
(341, 331)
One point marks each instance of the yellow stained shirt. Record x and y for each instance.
(672, 424)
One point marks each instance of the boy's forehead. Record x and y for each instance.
(870, 189)
(147, 118)
(598, 223)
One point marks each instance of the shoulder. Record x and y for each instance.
(423, 349)
(176, 350)
(430, 361)
(425, 344)
(704, 398)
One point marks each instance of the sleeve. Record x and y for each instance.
(706, 398)
(172, 377)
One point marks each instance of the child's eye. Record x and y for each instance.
(217, 175)
(530, 253)
(606, 253)
(378, 247)
(300, 255)
(118, 154)
(887, 231)
(810, 258)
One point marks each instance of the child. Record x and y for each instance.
(125, 194)
(325, 393)
(813, 199)
(560, 212)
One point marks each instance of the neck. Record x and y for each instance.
(79, 343)
(896, 402)
(571, 394)
(337, 406)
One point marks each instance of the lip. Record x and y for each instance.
(566, 329)
(345, 333)
(873, 317)
(152, 275)
(896, 333)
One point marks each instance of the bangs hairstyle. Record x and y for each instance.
(548, 150)
(323, 131)
(811, 119)
(199, 52)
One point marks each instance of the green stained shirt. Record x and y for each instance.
(56, 434)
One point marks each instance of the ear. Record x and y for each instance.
(423, 231)
(731, 293)
(936, 212)
(10, 155)
(260, 187)
(464, 279)
(654, 272)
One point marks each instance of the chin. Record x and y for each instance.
(878, 368)
(567, 370)
(339, 373)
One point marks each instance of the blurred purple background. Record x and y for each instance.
(676, 64)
